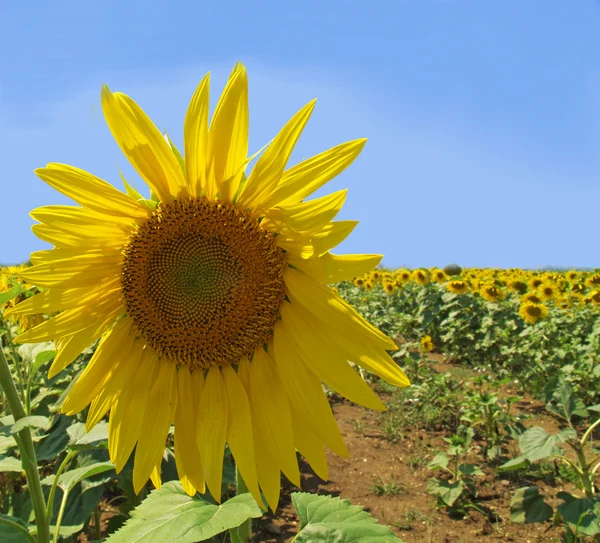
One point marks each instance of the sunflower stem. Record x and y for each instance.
(27, 451)
(244, 531)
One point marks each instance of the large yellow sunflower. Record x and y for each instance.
(210, 298)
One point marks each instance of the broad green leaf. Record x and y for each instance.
(537, 444)
(70, 478)
(34, 421)
(7, 443)
(447, 492)
(55, 440)
(169, 514)
(582, 514)
(11, 293)
(439, 461)
(8, 463)
(14, 530)
(470, 469)
(80, 440)
(520, 462)
(325, 519)
(528, 506)
(42, 358)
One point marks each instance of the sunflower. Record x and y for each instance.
(426, 344)
(492, 293)
(572, 275)
(531, 298)
(403, 276)
(438, 276)
(535, 282)
(210, 298)
(518, 286)
(358, 281)
(593, 280)
(531, 312)
(389, 287)
(594, 297)
(421, 277)
(8, 277)
(547, 291)
(457, 286)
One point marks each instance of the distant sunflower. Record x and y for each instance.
(572, 275)
(547, 291)
(210, 299)
(594, 297)
(536, 282)
(438, 276)
(492, 293)
(426, 344)
(532, 298)
(457, 286)
(421, 277)
(518, 286)
(403, 276)
(593, 280)
(389, 287)
(531, 312)
(359, 281)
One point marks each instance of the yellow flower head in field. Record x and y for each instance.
(458, 286)
(532, 298)
(518, 286)
(492, 293)
(572, 276)
(403, 276)
(426, 344)
(593, 280)
(535, 282)
(210, 299)
(389, 287)
(547, 291)
(438, 276)
(594, 297)
(368, 285)
(358, 281)
(577, 288)
(375, 276)
(421, 277)
(531, 312)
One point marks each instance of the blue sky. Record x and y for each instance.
(483, 118)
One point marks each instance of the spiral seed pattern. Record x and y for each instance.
(203, 282)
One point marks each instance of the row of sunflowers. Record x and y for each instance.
(537, 290)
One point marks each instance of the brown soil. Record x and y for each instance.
(412, 512)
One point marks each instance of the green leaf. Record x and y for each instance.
(169, 514)
(440, 461)
(528, 506)
(80, 440)
(42, 358)
(520, 462)
(447, 492)
(581, 513)
(324, 519)
(14, 530)
(8, 463)
(56, 440)
(70, 478)
(34, 421)
(537, 444)
(570, 404)
(470, 469)
(10, 294)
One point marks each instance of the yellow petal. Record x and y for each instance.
(326, 360)
(239, 431)
(269, 168)
(158, 416)
(99, 407)
(309, 175)
(143, 145)
(309, 445)
(212, 430)
(331, 235)
(228, 134)
(271, 412)
(72, 321)
(58, 299)
(91, 192)
(130, 409)
(112, 351)
(75, 344)
(187, 454)
(65, 240)
(269, 476)
(309, 217)
(329, 308)
(195, 137)
(86, 269)
(155, 475)
(304, 390)
(330, 268)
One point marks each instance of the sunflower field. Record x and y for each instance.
(481, 346)
(190, 362)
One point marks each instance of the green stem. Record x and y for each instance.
(27, 451)
(61, 468)
(61, 512)
(16, 360)
(244, 531)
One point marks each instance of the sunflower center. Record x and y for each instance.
(203, 282)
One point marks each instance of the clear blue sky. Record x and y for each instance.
(483, 117)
